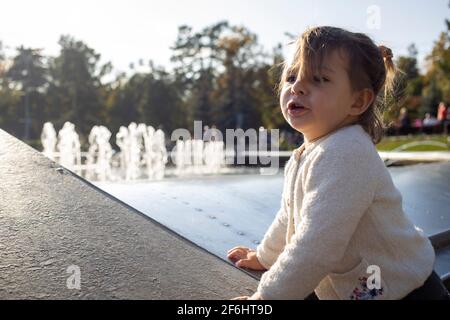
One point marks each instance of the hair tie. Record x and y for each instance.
(386, 52)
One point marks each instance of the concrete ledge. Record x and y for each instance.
(51, 219)
(419, 156)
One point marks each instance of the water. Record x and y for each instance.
(218, 213)
(214, 212)
(142, 153)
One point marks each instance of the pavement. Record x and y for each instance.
(56, 229)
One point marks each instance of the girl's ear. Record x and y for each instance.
(363, 100)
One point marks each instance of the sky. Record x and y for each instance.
(125, 31)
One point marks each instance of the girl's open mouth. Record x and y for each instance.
(296, 109)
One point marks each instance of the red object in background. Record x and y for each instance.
(442, 112)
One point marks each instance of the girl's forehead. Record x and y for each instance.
(333, 62)
(336, 60)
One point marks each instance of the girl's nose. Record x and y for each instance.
(299, 87)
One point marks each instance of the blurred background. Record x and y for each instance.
(168, 63)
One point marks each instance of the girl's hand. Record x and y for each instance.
(244, 257)
(241, 298)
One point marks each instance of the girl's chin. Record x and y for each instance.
(297, 125)
(301, 121)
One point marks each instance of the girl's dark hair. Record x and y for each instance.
(371, 67)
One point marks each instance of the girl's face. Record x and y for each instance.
(316, 107)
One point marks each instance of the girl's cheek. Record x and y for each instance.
(284, 100)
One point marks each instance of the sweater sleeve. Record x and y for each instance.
(338, 189)
(274, 239)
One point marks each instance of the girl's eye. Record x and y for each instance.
(320, 79)
(291, 79)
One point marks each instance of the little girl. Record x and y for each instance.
(341, 232)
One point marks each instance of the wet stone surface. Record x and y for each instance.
(51, 221)
(237, 210)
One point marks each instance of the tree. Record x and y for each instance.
(437, 77)
(408, 87)
(150, 97)
(123, 102)
(266, 91)
(431, 98)
(161, 103)
(439, 63)
(237, 51)
(28, 75)
(76, 92)
(9, 105)
(2, 62)
(216, 70)
(196, 67)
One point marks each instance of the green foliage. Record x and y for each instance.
(28, 70)
(438, 74)
(151, 98)
(421, 94)
(431, 98)
(224, 73)
(28, 77)
(76, 88)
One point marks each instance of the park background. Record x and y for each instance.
(168, 64)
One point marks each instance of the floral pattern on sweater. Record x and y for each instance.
(364, 293)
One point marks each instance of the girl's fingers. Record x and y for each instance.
(235, 257)
(232, 250)
(237, 253)
(241, 298)
(238, 247)
(243, 263)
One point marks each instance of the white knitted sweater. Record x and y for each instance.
(341, 213)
